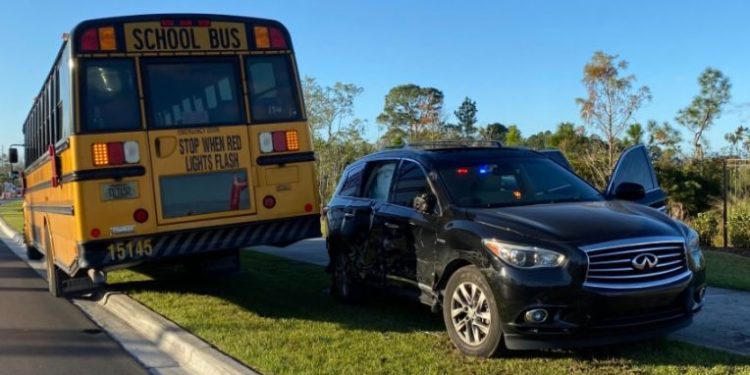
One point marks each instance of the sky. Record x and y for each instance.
(521, 61)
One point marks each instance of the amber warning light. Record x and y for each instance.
(99, 39)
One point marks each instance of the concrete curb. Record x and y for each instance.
(192, 353)
(10, 232)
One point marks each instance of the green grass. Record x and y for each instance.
(12, 213)
(277, 317)
(726, 270)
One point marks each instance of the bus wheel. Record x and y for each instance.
(33, 253)
(54, 278)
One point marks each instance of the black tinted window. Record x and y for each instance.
(410, 182)
(353, 180)
(379, 181)
(110, 95)
(273, 94)
(634, 167)
(195, 93)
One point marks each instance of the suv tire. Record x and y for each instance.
(470, 313)
(346, 285)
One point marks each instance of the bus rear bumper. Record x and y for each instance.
(122, 252)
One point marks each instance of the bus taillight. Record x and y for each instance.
(279, 141)
(115, 153)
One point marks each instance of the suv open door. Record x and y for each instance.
(635, 166)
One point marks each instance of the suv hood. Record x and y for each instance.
(579, 223)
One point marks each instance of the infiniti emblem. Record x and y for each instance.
(645, 261)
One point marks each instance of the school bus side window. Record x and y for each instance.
(273, 95)
(110, 96)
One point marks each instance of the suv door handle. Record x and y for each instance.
(390, 225)
(349, 215)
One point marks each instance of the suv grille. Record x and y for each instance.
(636, 263)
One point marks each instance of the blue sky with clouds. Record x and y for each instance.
(521, 61)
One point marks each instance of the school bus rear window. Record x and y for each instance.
(272, 94)
(193, 93)
(110, 96)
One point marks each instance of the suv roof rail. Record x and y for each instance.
(451, 144)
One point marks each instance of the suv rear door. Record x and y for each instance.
(341, 226)
(635, 166)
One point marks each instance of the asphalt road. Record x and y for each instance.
(40, 334)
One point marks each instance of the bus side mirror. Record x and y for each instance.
(13, 155)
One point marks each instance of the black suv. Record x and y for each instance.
(517, 250)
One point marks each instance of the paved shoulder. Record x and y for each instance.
(40, 334)
(723, 322)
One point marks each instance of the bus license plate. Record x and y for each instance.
(127, 190)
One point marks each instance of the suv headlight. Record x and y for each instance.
(694, 250)
(524, 256)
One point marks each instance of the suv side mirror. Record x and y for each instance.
(425, 203)
(630, 191)
(13, 155)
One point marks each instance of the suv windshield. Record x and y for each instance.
(514, 182)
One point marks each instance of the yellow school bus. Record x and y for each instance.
(177, 137)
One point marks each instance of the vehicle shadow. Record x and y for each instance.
(277, 288)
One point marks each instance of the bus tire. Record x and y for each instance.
(33, 253)
(54, 277)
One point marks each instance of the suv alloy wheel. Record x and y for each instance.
(470, 313)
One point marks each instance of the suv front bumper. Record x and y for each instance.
(580, 316)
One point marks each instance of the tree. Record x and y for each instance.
(494, 132)
(412, 112)
(336, 133)
(467, 118)
(663, 141)
(611, 100)
(327, 107)
(539, 141)
(513, 137)
(735, 139)
(706, 107)
(634, 134)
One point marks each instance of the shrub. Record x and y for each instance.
(738, 224)
(707, 226)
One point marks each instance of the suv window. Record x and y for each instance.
(634, 167)
(352, 181)
(379, 181)
(410, 182)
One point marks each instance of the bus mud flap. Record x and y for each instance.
(77, 286)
